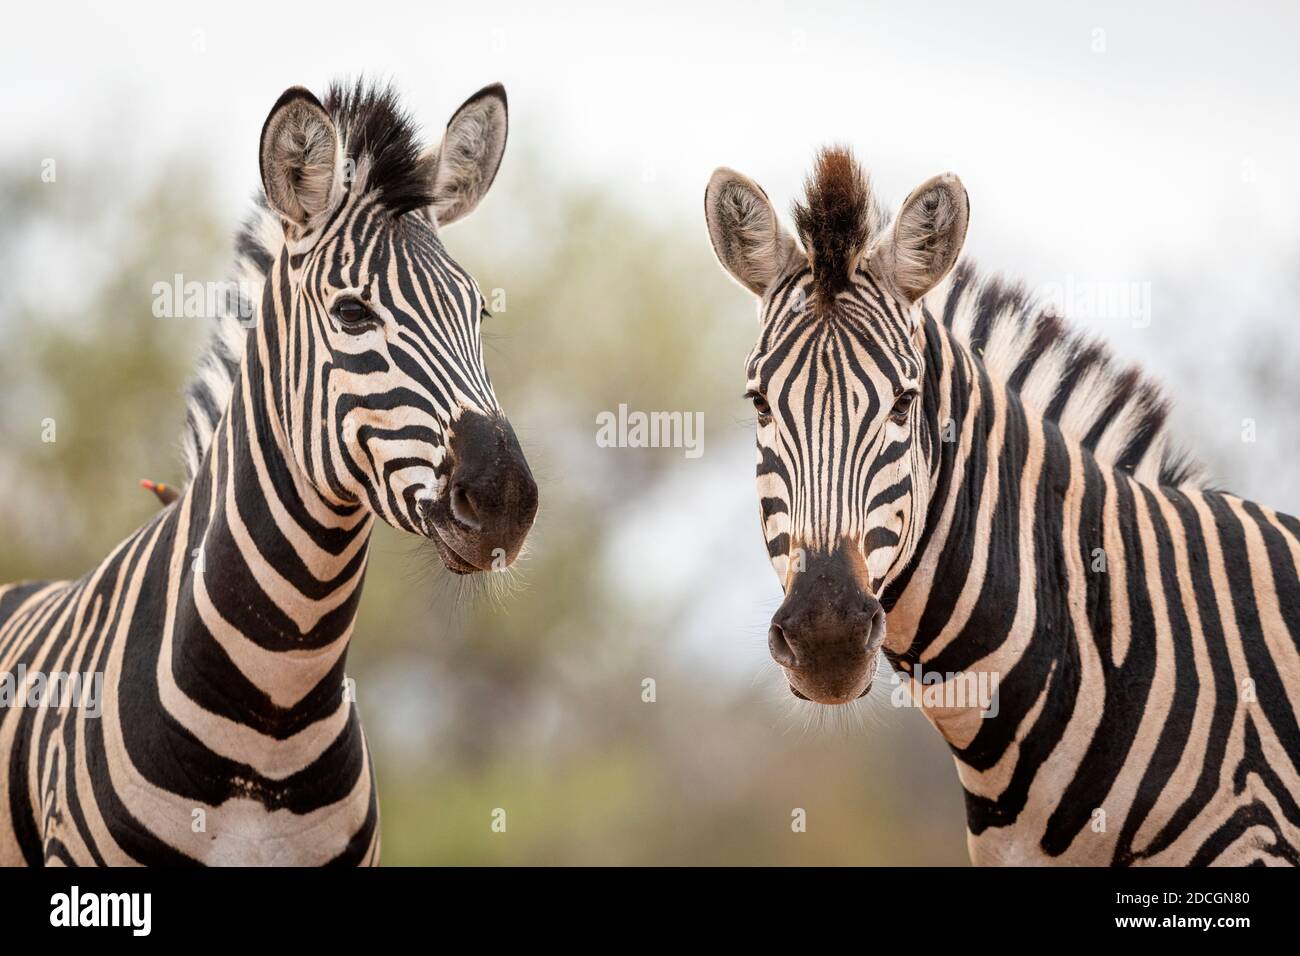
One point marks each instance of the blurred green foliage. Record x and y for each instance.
(528, 701)
(98, 366)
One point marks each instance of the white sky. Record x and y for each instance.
(1123, 164)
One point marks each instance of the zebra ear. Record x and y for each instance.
(300, 158)
(926, 238)
(466, 162)
(747, 237)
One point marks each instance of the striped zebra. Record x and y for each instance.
(220, 629)
(949, 475)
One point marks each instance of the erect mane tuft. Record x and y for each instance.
(382, 141)
(838, 217)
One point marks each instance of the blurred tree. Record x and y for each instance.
(103, 380)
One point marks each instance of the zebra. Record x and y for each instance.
(950, 475)
(227, 733)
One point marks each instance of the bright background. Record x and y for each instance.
(1104, 145)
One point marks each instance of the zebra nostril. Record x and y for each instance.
(781, 650)
(463, 507)
(875, 628)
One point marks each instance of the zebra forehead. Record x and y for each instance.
(366, 240)
(829, 358)
(861, 333)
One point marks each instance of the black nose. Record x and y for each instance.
(805, 631)
(493, 497)
(828, 629)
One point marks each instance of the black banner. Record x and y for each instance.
(337, 907)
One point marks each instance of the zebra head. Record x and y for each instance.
(845, 427)
(370, 331)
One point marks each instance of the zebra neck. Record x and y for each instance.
(266, 607)
(973, 602)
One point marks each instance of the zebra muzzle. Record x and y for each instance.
(482, 520)
(828, 631)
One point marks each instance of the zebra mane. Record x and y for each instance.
(381, 142)
(1115, 412)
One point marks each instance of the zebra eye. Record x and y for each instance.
(760, 404)
(351, 311)
(902, 405)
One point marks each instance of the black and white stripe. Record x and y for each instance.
(1023, 517)
(221, 628)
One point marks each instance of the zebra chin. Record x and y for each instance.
(827, 633)
(833, 683)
